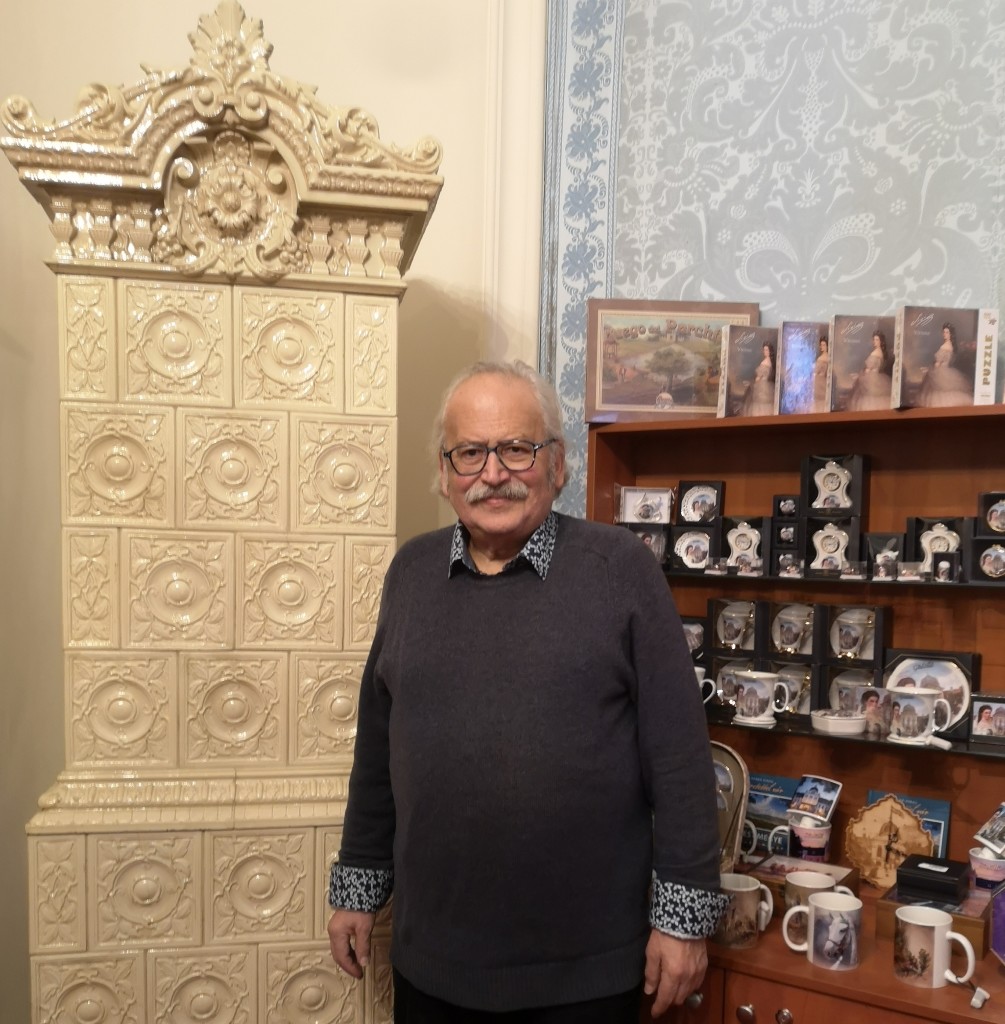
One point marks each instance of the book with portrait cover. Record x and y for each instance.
(935, 357)
(801, 349)
(742, 354)
(934, 815)
(861, 358)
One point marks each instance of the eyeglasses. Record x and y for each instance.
(516, 456)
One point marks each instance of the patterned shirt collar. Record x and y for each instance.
(536, 552)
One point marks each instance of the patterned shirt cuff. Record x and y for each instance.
(684, 911)
(362, 889)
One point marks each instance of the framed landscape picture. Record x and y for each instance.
(650, 360)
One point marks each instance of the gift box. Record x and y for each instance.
(971, 915)
(933, 878)
(834, 486)
(830, 544)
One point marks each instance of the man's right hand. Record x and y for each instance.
(349, 937)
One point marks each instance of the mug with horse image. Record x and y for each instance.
(833, 929)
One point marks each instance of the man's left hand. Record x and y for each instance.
(674, 969)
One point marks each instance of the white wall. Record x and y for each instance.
(470, 74)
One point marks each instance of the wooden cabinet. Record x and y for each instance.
(757, 1001)
(919, 463)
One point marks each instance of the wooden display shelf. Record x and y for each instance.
(871, 984)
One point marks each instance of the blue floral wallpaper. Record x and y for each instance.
(810, 156)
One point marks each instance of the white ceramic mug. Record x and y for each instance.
(810, 842)
(799, 887)
(832, 929)
(776, 841)
(707, 686)
(922, 947)
(794, 628)
(734, 626)
(748, 912)
(762, 694)
(916, 713)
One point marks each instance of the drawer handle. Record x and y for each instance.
(745, 1014)
(693, 1001)
(784, 1017)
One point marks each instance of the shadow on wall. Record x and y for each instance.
(439, 333)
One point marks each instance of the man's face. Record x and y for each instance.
(499, 506)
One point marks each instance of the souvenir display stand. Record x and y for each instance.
(229, 259)
(921, 463)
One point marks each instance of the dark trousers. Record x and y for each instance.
(414, 1007)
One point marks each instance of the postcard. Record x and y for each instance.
(815, 797)
(767, 805)
(992, 832)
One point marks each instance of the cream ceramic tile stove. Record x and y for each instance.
(229, 258)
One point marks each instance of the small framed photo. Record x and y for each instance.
(992, 833)
(654, 538)
(987, 720)
(692, 547)
(649, 359)
(646, 504)
(700, 501)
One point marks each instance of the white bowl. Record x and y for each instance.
(838, 723)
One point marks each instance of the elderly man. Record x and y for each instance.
(532, 773)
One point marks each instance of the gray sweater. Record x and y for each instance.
(529, 751)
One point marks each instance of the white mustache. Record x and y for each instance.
(513, 490)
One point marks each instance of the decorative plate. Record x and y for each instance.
(934, 673)
(992, 561)
(692, 549)
(699, 502)
(852, 633)
(996, 517)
